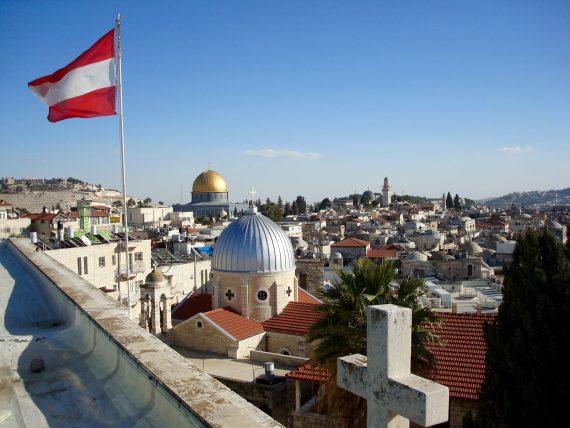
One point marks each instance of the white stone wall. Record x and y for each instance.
(279, 342)
(106, 276)
(240, 284)
(14, 227)
(186, 277)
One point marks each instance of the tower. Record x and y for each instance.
(386, 194)
(84, 213)
(155, 303)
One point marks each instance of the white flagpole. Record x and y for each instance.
(125, 221)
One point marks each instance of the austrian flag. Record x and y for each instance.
(83, 88)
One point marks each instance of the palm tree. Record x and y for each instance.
(343, 329)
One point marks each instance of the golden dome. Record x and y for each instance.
(210, 181)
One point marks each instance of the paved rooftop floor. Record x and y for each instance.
(217, 365)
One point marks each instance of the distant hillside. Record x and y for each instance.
(530, 199)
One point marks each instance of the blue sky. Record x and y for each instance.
(313, 98)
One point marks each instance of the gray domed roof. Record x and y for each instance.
(554, 225)
(253, 243)
(155, 277)
(472, 248)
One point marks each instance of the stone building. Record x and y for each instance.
(351, 249)
(310, 273)
(252, 282)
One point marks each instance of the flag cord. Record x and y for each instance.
(124, 180)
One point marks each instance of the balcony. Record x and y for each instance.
(136, 267)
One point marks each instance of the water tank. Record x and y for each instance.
(115, 228)
(34, 237)
(93, 229)
(269, 371)
(69, 232)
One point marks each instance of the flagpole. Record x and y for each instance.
(124, 179)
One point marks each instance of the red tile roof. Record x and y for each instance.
(351, 242)
(305, 297)
(297, 318)
(310, 372)
(41, 216)
(99, 213)
(3, 203)
(233, 323)
(461, 360)
(192, 305)
(381, 253)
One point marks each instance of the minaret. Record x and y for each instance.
(386, 195)
(444, 201)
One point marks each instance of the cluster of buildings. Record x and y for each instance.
(246, 287)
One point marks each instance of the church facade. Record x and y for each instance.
(210, 197)
(255, 299)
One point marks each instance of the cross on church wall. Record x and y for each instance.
(230, 295)
(393, 394)
(289, 291)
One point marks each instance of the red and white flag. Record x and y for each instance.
(83, 88)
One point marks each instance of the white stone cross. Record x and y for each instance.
(252, 192)
(393, 394)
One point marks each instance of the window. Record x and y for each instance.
(101, 262)
(469, 270)
(85, 270)
(114, 260)
(199, 324)
(78, 265)
(262, 295)
(138, 257)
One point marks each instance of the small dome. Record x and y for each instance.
(416, 256)
(369, 194)
(210, 181)
(472, 248)
(336, 255)
(253, 243)
(554, 225)
(155, 278)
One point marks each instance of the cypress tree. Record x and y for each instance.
(456, 202)
(448, 201)
(528, 375)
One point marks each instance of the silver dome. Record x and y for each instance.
(253, 243)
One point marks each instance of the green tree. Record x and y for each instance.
(301, 205)
(325, 203)
(448, 201)
(527, 380)
(147, 201)
(456, 202)
(272, 210)
(131, 202)
(287, 210)
(343, 329)
(280, 201)
(294, 209)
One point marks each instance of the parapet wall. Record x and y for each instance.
(145, 375)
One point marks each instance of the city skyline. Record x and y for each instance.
(317, 99)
